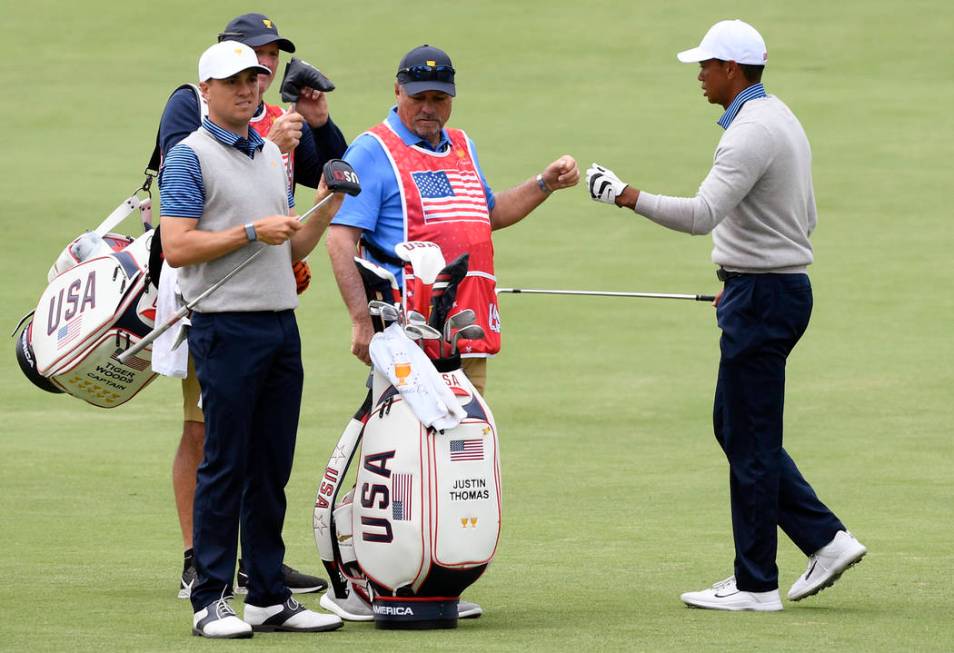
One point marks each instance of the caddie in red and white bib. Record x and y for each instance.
(423, 182)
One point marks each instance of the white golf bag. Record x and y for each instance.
(422, 521)
(98, 301)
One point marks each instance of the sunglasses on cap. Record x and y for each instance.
(428, 74)
(231, 36)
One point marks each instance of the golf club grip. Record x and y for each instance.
(158, 331)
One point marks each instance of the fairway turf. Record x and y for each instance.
(615, 491)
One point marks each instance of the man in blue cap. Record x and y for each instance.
(422, 181)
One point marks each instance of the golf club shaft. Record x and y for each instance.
(606, 293)
(182, 312)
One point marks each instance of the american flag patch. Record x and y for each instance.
(401, 486)
(138, 364)
(68, 332)
(466, 450)
(451, 195)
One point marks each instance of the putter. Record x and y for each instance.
(339, 177)
(185, 310)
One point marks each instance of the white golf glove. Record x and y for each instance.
(603, 184)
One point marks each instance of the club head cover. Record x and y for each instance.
(301, 74)
(444, 290)
(340, 177)
(426, 259)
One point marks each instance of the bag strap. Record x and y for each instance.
(155, 160)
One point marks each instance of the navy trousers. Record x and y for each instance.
(762, 317)
(249, 368)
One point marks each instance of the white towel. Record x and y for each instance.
(165, 359)
(419, 383)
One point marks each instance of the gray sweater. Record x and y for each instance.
(240, 190)
(757, 199)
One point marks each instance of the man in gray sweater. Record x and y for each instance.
(225, 195)
(758, 203)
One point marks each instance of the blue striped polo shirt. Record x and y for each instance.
(750, 93)
(181, 188)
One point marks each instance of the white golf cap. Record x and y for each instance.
(729, 40)
(227, 58)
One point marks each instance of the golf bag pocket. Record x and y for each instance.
(343, 514)
(98, 377)
(465, 489)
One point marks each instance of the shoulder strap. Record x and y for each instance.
(152, 167)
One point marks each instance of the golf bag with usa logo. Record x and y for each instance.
(422, 521)
(99, 300)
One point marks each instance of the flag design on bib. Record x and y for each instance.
(451, 195)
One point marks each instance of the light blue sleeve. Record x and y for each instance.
(372, 165)
(181, 187)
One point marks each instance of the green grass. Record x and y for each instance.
(615, 491)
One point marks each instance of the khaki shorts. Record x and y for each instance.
(476, 371)
(190, 397)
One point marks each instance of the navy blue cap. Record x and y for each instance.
(254, 30)
(426, 68)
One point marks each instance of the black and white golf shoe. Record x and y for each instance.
(218, 620)
(290, 616)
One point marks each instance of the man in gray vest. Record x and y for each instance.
(224, 188)
(759, 205)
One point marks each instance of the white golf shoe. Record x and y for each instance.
(350, 608)
(724, 595)
(290, 616)
(827, 565)
(218, 620)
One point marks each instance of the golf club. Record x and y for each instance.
(470, 332)
(606, 293)
(185, 310)
(421, 332)
(458, 321)
(387, 312)
(415, 317)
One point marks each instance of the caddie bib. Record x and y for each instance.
(444, 203)
(262, 124)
